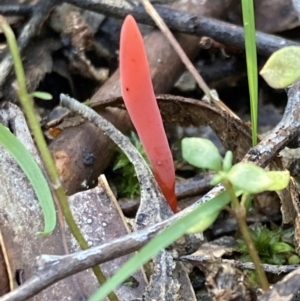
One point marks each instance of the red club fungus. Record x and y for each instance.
(141, 104)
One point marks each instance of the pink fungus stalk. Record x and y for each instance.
(141, 104)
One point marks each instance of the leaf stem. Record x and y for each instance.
(240, 214)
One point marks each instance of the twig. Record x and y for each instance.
(184, 58)
(269, 268)
(149, 187)
(191, 187)
(16, 10)
(284, 134)
(180, 21)
(54, 268)
(166, 31)
(51, 268)
(185, 22)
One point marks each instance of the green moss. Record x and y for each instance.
(271, 245)
(123, 176)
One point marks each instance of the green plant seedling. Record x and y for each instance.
(205, 213)
(244, 177)
(282, 68)
(34, 174)
(204, 223)
(294, 259)
(249, 178)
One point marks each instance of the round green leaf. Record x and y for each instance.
(249, 177)
(294, 259)
(253, 179)
(201, 153)
(282, 68)
(280, 179)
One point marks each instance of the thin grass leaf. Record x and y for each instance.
(161, 241)
(251, 58)
(34, 174)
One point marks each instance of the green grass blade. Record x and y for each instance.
(34, 174)
(161, 241)
(251, 58)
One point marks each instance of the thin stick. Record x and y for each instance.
(184, 58)
(187, 22)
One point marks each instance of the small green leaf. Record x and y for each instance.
(34, 174)
(282, 68)
(281, 247)
(41, 95)
(201, 153)
(227, 161)
(250, 178)
(280, 179)
(294, 259)
(253, 179)
(204, 223)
